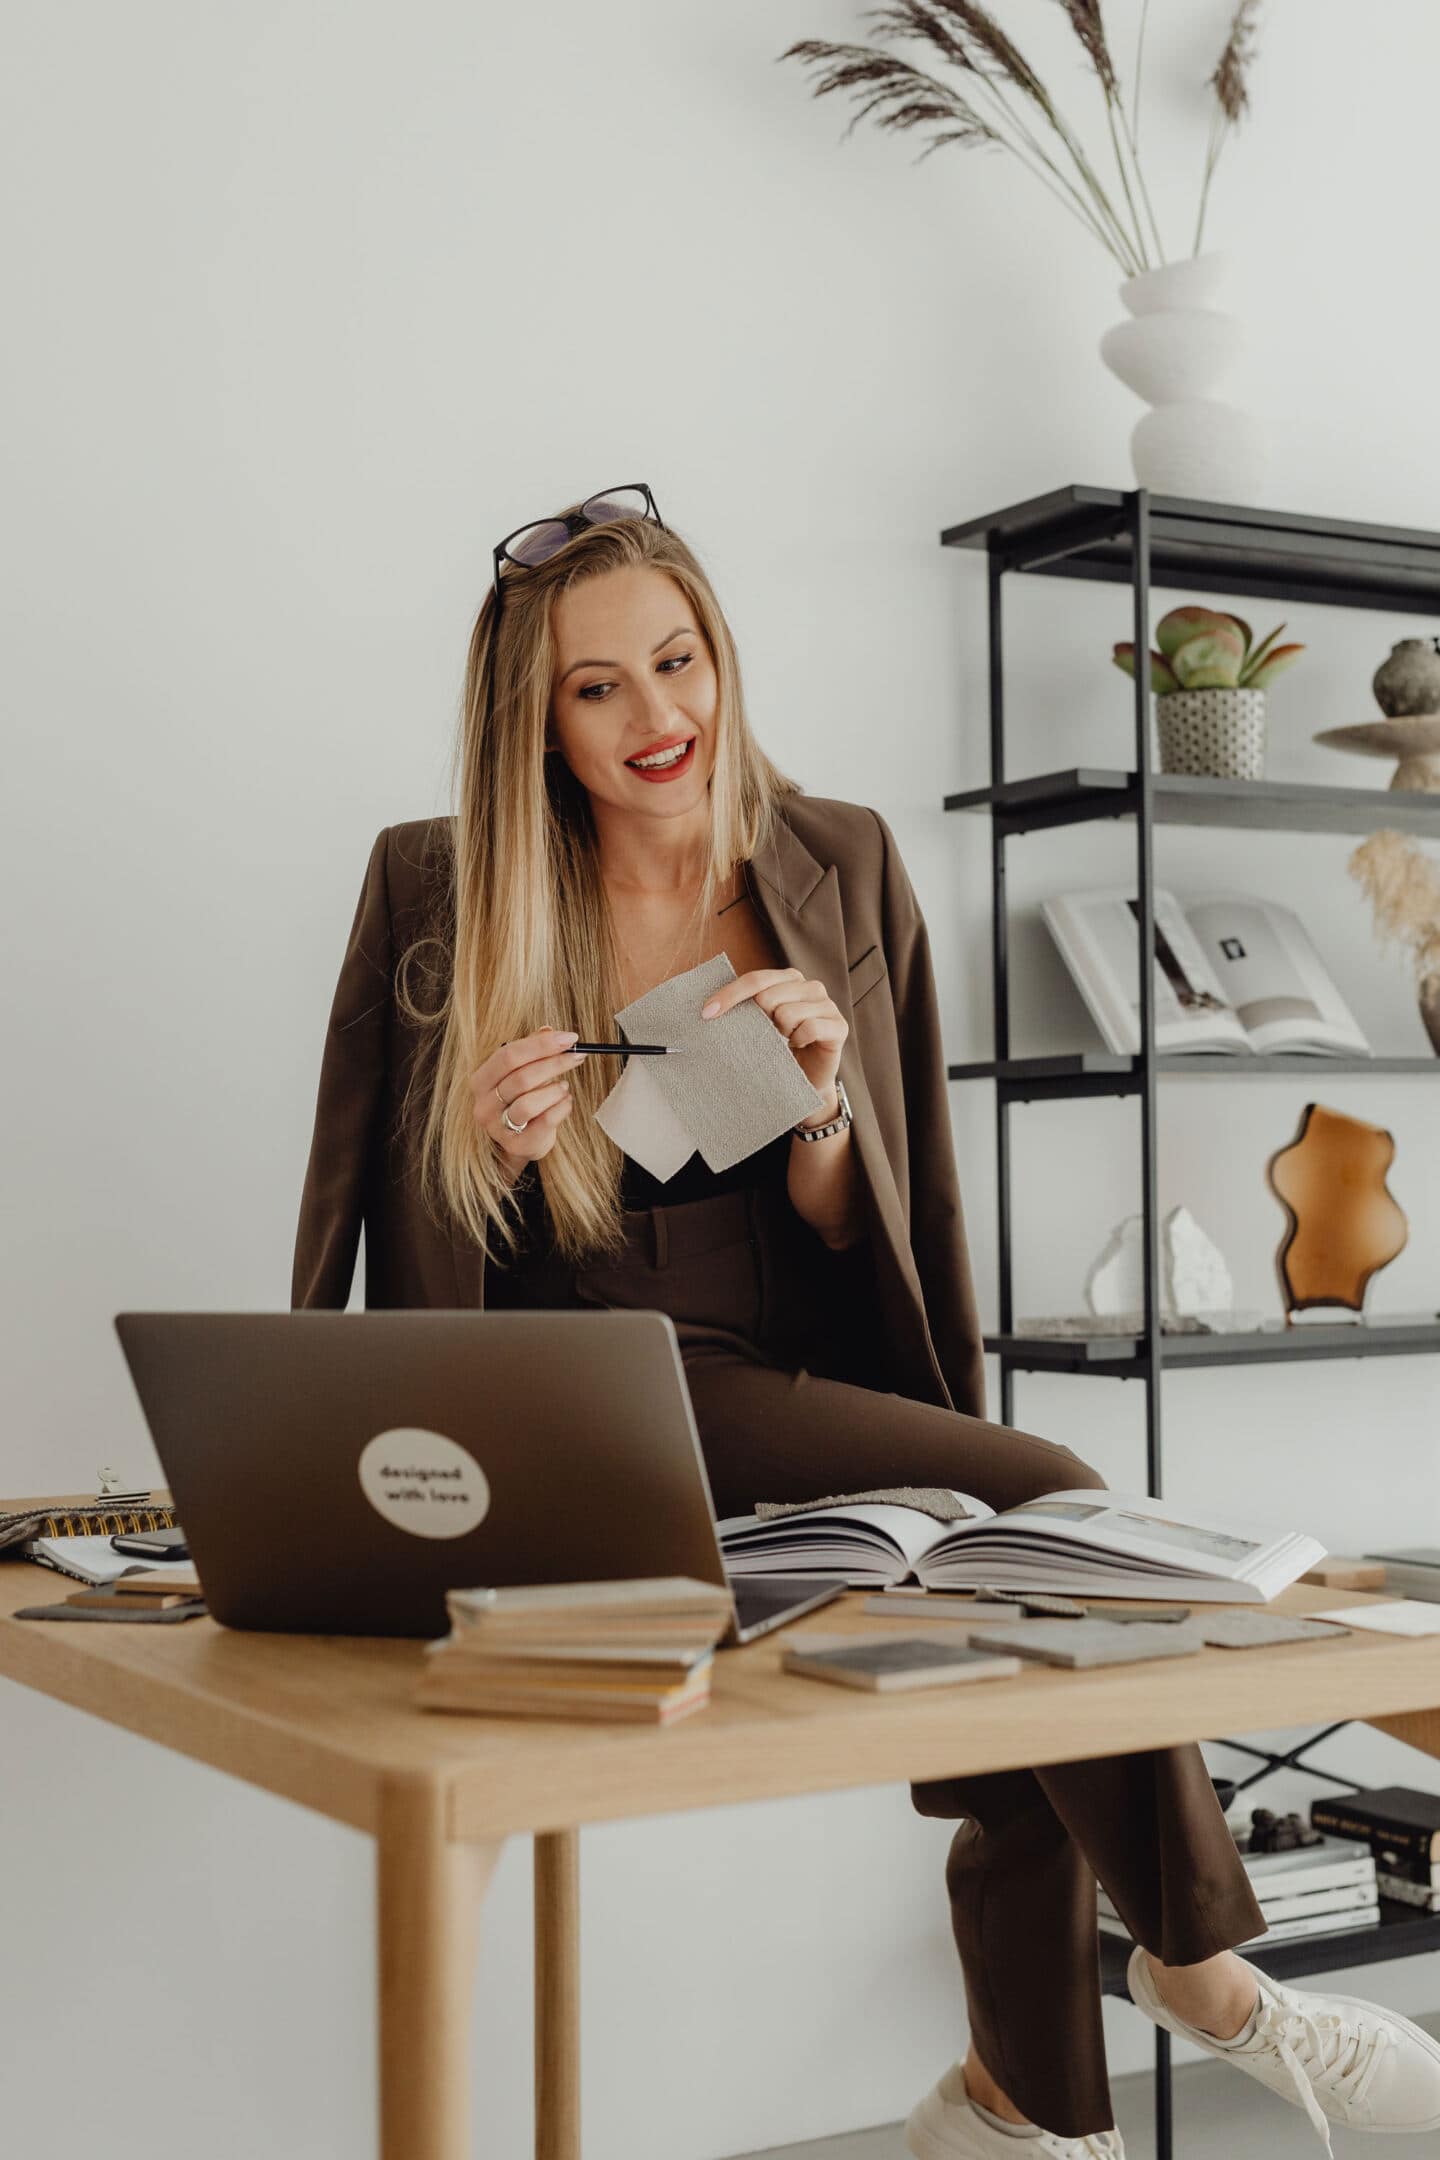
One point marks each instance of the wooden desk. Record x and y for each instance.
(328, 1721)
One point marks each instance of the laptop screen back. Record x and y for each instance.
(338, 1472)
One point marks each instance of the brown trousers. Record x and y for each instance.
(751, 1289)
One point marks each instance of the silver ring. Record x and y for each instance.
(507, 1122)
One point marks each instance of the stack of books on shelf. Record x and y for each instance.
(637, 1651)
(1318, 1889)
(1400, 1829)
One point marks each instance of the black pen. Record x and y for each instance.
(627, 1049)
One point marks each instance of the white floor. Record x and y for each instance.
(1218, 2115)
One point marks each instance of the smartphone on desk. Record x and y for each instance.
(152, 1544)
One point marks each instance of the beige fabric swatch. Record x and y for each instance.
(639, 1120)
(736, 1088)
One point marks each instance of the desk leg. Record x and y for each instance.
(430, 1890)
(557, 1995)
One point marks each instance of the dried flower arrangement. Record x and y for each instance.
(1201, 649)
(1402, 885)
(1003, 94)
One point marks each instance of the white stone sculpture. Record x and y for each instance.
(1194, 1279)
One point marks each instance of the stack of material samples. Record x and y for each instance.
(1401, 1829)
(1315, 1890)
(1411, 1571)
(638, 1650)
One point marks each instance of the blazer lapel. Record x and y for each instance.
(800, 901)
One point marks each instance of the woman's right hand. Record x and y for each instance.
(526, 1081)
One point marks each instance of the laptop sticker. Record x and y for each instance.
(423, 1483)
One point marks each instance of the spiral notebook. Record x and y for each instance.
(94, 1560)
(78, 1518)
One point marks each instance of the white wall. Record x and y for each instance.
(307, 305)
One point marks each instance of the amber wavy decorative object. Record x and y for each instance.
(1344, 1224)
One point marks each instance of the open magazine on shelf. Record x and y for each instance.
(1231, 973)
(1093, 1544)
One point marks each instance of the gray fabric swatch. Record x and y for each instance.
(640, 1120)
(737, 1086)
(928, 1499)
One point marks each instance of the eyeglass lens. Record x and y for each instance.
(537, 543)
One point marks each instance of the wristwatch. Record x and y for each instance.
(838, 1124)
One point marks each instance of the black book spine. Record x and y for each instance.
(1342, 1818)
(1393, 1859)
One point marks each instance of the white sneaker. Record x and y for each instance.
(946, 2126)
(1337, 2057)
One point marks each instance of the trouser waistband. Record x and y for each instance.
(656, 1236)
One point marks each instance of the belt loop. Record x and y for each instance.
(662, 1237)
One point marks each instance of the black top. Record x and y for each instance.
(695, 1180)
(820, 1305)
(640, 1191)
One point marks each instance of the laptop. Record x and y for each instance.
(336, 1473)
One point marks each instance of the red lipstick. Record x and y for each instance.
(674, 768)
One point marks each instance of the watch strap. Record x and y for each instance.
(836, 1124)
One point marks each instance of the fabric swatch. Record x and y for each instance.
(933, 1500)
(735, 1088)
(640, 1120)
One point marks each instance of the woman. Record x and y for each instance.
(617, 825)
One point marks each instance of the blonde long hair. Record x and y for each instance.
(520, 935)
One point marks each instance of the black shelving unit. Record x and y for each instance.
(1403, 1932)
(1137, 539)
(1087, 792)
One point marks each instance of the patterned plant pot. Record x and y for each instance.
(1216, 732)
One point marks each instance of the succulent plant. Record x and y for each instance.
(1201, 649)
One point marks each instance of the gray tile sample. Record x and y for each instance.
(1238, 1628)
(1090, 1642)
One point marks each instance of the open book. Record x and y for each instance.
(1091, 1544)
(1231, 973)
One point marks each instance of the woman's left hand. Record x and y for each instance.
(804, 1012)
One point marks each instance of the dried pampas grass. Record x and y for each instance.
(1003, 95)
(1403, 886)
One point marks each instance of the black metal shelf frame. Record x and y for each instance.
(1103, 533)
(1127, 1357)
(1103, 1072)
(1131, 537)
(1085, 532)
(1086, 792)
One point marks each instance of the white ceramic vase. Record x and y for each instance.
(1173, 352)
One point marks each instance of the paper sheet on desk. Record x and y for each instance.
(1403, 1616)
(735, 1088)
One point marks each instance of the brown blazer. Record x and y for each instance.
(835, 894)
